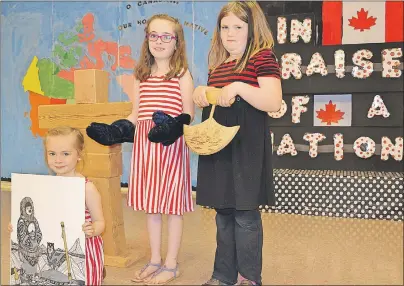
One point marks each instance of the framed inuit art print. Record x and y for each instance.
(47, 241)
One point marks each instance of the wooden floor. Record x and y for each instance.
(298, 250)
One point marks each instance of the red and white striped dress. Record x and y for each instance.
(94, 257)
(160, 179)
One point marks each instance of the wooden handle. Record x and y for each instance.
(212, 95)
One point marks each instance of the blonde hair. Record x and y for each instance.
(66, 131)
(178, 61)
(259, 33)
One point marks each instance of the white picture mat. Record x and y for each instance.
(55, 199)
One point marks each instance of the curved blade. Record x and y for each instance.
(208, 137)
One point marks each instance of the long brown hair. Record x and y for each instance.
(178, 61)
(259, 33)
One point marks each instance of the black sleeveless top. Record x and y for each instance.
(240, 175)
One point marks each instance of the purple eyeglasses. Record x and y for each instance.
(166, 38)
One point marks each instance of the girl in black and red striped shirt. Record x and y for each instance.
(238, 179)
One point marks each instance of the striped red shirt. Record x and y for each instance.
(156, 93)
(262, 64)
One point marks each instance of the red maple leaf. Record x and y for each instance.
(363, 21)
(330, 114)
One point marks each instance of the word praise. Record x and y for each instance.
(363, 68)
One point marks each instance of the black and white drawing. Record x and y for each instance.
(47, 243)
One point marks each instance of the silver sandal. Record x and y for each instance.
(164, 269)
(137, 280)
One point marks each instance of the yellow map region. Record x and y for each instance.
(31, 79)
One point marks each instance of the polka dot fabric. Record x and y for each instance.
(339, 58)
(368, 195)
(298, 108)
(338, 146)
(378, 108)
(282, 32)
(280, 112)
(300, 30)
(370, 147)
(391, 62)
(317, 65)
(345, 194)
(313, 139)
(395, 150)
(286, 146)
(362, 68)
(290, 61)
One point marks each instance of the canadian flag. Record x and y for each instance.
(359, 22)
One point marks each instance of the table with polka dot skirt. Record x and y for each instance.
(347, 194)
(353, 194)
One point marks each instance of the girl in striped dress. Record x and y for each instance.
(95, 270)
(63, 152)
(64, 148)
(160, 180)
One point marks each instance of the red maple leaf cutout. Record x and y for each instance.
(363, 21)
(330, 114)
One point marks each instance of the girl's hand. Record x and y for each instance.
(10, 227)
(199, 96)
(88, 229)
(227, 94)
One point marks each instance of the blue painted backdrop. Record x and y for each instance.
(68, 36)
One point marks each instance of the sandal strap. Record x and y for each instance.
(164, 268)
(149, 264)
(154, 264)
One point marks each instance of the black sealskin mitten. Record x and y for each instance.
(168, 129)
(119, 131)
(159, 117)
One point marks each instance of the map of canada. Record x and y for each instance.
(51, 80)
